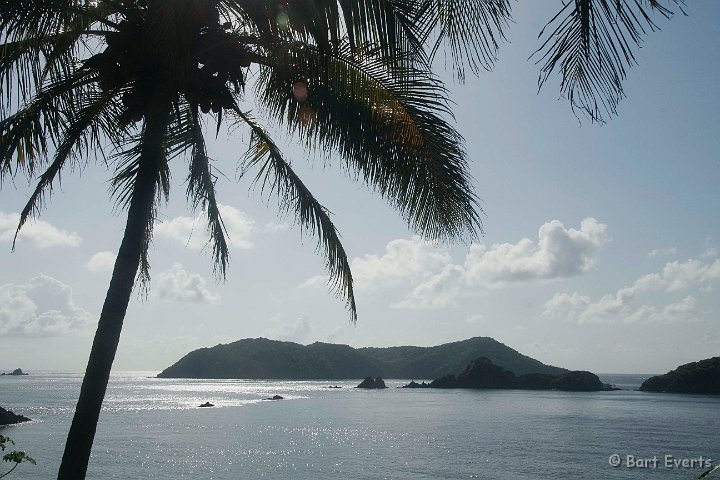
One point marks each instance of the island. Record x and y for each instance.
(260, 358)
(695, 377)
(9, 418)
(372, 383)
(17, 371)
(482, 373)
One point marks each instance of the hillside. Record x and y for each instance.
(695, 377)
(260, 358)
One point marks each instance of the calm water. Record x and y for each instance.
(151, 428)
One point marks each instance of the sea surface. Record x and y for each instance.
(152, 428)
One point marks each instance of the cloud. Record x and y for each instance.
(38, 233)
(273, 227)
(191, 231)
(404, 261)
(42, 307)
(440, 291)
(619, 307)
(315, 281)
(679, 276)
(297, 330)
(101, 262)
(559, 253)
(178, 285)
(437, 281)
(662, 252)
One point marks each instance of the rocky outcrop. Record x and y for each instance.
(696, 377)
(206, 405)
(414, 384)
(482, 373)
(372, 383)
(17, 371)
(9, 418)
(275, 397)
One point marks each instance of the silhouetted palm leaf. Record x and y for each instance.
(276, 175)
(591, 43)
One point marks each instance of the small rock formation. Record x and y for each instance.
(206, 404)
(696, 377)
(8, 418)
(372, 383)
(274, 397)
(17, 371)
(331, 386)
(414, 384)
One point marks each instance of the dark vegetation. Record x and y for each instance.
(262, 358)
(482, 373)
(695, 377)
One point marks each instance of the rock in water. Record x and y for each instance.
(8, 418)
(372, 383)
(206, 404)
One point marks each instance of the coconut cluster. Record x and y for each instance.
(203, 64)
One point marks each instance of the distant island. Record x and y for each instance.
(260, 358)
(695, 377)
(482, 373)
(17, 371)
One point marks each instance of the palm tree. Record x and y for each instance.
(134, 82)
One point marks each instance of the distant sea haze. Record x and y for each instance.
(154, 428)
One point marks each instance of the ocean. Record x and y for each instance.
(152, 428)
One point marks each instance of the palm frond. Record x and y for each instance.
(83, 132)
(388, 126)
(24, 135)
(389, 24)
(276, 175)
(468, 30)
(201, 192)
(590, 43)
(40, 41)
(141, 160)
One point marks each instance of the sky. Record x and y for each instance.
(601, 249)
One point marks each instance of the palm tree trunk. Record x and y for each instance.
(140, 213)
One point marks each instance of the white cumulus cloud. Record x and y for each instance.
(622, 305)
(179, 285)
(559, 253)
(101, 262)
(437, 282)
(192, 231)
(38, 233)
(437, 292)
(404, 260)
(42, 307)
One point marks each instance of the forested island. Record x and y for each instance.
(695, 377)
(260, 358)
(482, 373)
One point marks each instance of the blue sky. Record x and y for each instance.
(600, 249)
